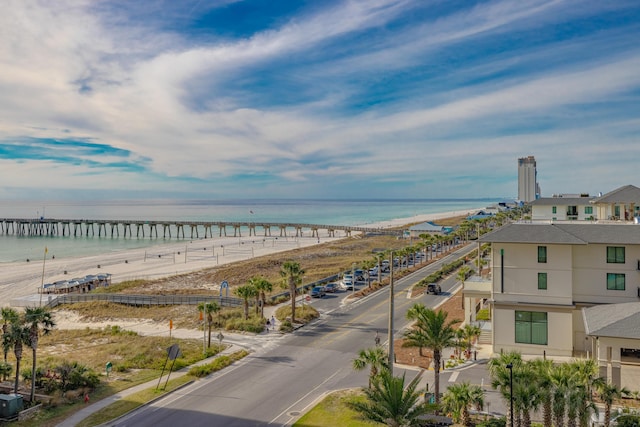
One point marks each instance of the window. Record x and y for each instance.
(615, 254)
(615, 281)
(572, 210)
(554, 209)
(531, 327)
(588, 210)
(542, 254)
(542, 280)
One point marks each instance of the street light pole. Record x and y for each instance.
(510, 368)
(390, 351)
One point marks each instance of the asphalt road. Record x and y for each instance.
(283, 379)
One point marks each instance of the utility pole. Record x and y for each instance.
(391, 357)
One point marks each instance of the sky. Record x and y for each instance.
(316, 99)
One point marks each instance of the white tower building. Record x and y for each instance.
(528, 189)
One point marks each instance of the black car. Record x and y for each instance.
(433, 288)
(331, 287)
(317, 292)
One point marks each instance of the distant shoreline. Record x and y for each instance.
(22, 279)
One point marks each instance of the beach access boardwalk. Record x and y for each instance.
(113, 228)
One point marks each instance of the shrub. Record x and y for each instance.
(303, 315)
(74, 375)
(493, 422)
(628, 421)
(221, 362)
(117, 330)
(253, 324)
(286, 326)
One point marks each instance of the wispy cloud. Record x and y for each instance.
(405, 98)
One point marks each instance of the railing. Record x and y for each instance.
(149, 300)
(146, 300)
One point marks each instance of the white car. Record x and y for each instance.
(347, 282)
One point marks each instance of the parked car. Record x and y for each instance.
(433, 288)
(347, 283)
(359, 275)
(331, 287)
(373, 271)
(317, 292)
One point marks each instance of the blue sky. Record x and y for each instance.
(316, 98)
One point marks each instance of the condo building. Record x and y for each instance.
(528, 188)
(562, 287)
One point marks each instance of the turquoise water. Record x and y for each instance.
(323, 212)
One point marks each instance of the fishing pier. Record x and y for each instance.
(141, 229)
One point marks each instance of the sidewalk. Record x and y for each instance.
(101, 404)
(269, 313)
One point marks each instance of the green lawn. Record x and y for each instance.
(333, 411)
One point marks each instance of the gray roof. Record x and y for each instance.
(426, 226)
(626, 194)
(561, 201)
(613, 320)
(565, 233)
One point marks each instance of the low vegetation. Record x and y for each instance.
(200, 371)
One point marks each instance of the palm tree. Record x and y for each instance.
(389, 403)
(544, 384)
(263, 286)
(585, 407)
(376, 358)
(463, 273)
(16, 337)
(501, 376)
(37, 319)
(608, 393)
(366, 266)
(9, 315)
(432, 330)
(561, 380)
(459, 397)
(583, 372)
(292, 275)
(526, 395)
(208, 309)
(245, 292)
(469, 333)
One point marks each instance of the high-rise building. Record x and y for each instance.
(528, 189)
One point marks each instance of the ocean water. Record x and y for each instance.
(322, 212)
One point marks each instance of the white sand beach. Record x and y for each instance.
(20, 281)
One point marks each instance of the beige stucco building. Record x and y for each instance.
(621, 204)
(544, 274)
(560, 208)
